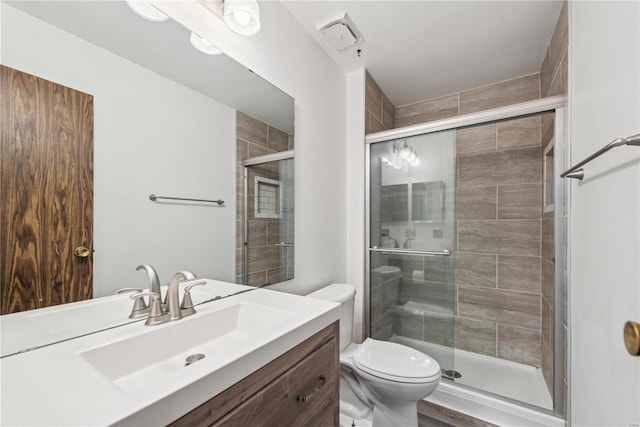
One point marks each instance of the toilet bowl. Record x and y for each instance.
(380, 382)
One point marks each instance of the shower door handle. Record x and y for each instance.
(440, 252)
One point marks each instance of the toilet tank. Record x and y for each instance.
(344, 294)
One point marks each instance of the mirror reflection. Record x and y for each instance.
(100, 109)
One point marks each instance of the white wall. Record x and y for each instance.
(355, 195)
(284, 54)
(604, 213)
(151, 136)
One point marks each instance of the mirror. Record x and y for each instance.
(427, 202)
(164, 122)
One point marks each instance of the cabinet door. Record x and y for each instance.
(281, 403)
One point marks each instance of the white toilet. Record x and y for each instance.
(380, 382)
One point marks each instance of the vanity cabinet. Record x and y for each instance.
(299, 388)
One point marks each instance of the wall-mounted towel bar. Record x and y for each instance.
(285, 244)
(441, 252)
(578, 173)
(154, 198)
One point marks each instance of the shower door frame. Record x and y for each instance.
(556, 104)
(246, 164)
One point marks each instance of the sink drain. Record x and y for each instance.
(193, 359)
(450, 373)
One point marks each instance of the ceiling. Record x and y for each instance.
(417, 50)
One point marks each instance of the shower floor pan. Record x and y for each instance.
(513, 380)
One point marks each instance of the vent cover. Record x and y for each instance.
(341, 33)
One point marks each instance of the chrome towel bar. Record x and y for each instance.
(154, 198)
(441, 252)
(284, 244)
(577, 172)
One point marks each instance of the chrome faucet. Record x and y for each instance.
(406, 242)
(154, 281)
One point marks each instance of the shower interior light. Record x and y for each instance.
(416, 162)
(242, 16)
(147, 11)
(204, 45)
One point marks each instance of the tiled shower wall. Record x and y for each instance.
(255, 138)
(379, 111)
(497, 262)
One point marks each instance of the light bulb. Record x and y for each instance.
(204, 45)
(416, 162)
(147, 11)
(242, 16)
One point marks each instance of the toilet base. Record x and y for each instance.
(407, 416)
(346, 421)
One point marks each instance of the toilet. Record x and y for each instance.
(380, 382)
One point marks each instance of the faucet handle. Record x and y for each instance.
(187, 303)
(125, 290)
(140, 308)
(156, 315)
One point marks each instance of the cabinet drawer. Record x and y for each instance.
(224, 404)
(279, 404)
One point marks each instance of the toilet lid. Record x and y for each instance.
(395, 362)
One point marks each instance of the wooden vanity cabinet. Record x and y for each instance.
(299, 388)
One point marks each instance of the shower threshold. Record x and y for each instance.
(513, 380)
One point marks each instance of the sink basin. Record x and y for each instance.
(140, 361)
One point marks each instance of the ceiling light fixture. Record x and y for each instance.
(204, 45)
(405, 154)
(146, 10)
(242, 16)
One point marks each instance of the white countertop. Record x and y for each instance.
(56, 385)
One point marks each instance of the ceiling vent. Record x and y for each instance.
(341, 33)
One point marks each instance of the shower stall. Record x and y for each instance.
(465, 252)
(268, 219)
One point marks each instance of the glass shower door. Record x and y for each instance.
(268, 224)
(411, 243)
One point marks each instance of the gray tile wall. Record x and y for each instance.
(379, 111)
(499, 211)
(256, 138)
(499, 94)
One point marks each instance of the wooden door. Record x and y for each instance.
(46, 186)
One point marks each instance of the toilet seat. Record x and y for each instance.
(395, 362)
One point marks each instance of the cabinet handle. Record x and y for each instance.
(305, 398)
